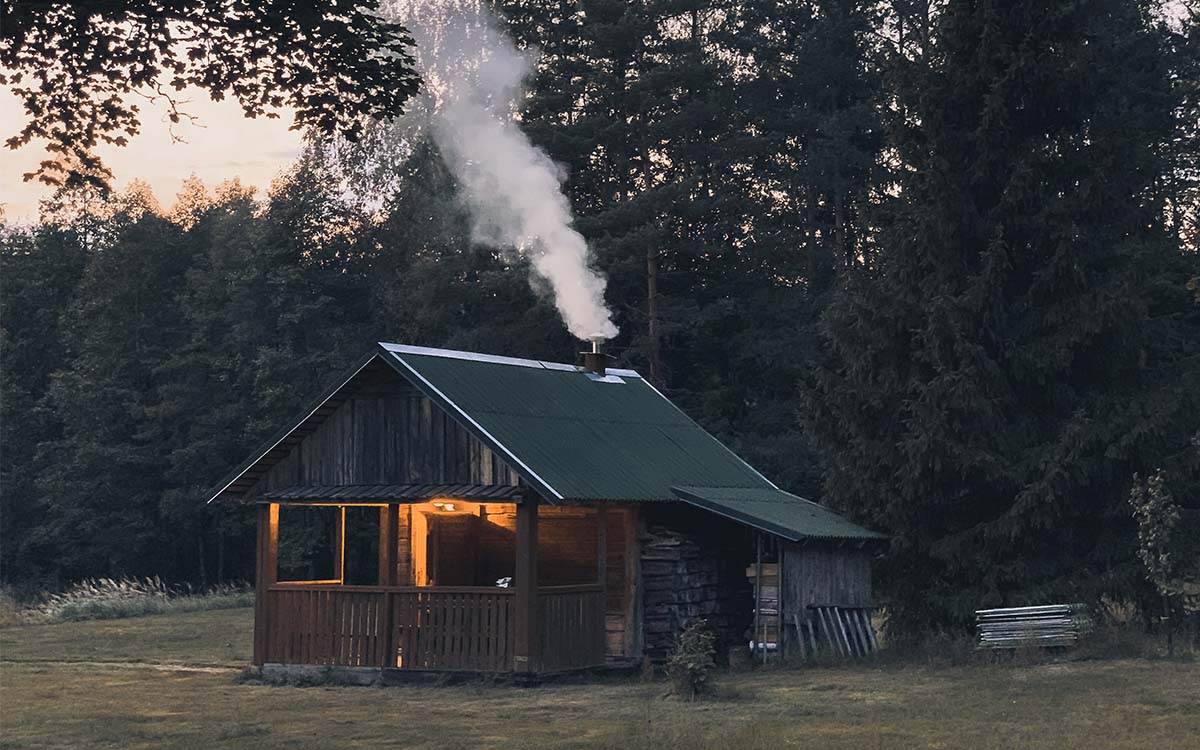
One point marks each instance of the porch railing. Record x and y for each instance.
(453, 629)
(428, 628)
(571, 622)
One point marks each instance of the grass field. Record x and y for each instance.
(127, 684)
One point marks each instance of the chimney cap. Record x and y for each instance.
(596, 361)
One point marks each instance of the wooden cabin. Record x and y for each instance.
(466, 512)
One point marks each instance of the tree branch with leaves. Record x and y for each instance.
(77, 68)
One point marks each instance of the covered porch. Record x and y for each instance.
(466, 579)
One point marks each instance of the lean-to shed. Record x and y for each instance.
(495, 514)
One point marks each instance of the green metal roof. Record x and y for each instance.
(575, 436)
(776, 511)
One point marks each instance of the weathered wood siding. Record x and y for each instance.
(622, 574)
(821, 574)
(387, 432)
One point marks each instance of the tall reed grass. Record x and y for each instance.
(111, 598)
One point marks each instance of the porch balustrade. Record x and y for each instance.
(467, 628)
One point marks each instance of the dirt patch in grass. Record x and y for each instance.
(1113, 704)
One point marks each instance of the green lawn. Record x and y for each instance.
(216, 637)
(93, 704)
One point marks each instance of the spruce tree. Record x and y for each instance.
(719, 158)
(806, 168)
(1023, 342)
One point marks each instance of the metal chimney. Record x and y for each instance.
(595, 361)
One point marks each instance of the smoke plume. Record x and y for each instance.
(473, 77)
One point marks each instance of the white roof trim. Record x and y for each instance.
(426, 351)
(395, 355)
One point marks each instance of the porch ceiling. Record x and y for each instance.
(394, 493)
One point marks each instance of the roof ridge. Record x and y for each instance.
(496, 359)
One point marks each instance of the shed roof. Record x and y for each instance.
(774, 510)
(575, 436)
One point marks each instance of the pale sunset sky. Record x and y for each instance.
(228, 145)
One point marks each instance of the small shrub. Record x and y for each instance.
(690, 665)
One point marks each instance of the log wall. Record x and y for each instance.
(387, 432)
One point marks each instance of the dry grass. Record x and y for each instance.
(10, 609)
(1108, 704)
(112, 598)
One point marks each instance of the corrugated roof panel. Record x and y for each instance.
(585, 439)
(776, 511)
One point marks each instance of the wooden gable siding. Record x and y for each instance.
(386, 432)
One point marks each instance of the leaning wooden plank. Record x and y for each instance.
(868, 629)
(828, 631)
(819, 620)
(856, 627)
(836, 615)
(799, 635)
(847, 619)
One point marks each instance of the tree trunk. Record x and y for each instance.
(200, 552)
(652, 332)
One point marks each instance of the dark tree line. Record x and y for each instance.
(926, 262)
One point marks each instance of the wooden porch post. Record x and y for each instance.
(339, 544)
(389, 544)
(526, 656)
(633, 583)
(758, 578)
(601, 633)
(602, 546)
(266, 571)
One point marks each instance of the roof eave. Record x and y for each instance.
(864, 535)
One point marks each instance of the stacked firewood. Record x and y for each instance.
(684, 579)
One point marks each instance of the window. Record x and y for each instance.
(329, 544)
